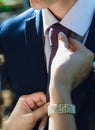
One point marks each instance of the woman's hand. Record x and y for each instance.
(71, 65)
(28, 110)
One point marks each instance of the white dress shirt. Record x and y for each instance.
(77, 19)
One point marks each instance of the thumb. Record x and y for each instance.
(35, 115)
(40, 112)
(43, 122)
(77, 44)
(62, 40)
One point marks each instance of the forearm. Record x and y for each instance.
(62, 122)
(70, 66)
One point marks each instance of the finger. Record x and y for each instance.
(71, 48)
(35, 100)
(79, 47)
(76, 44)
(38, 97)
(43, 122)
(62, 40)
(35, 115)
(40, 112)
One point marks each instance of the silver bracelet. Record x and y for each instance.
(61, 108)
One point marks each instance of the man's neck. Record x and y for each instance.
(60, 9)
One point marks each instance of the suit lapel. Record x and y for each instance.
(35, 50)
(34, 31)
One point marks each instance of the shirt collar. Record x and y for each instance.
(78, 18)
(48, 19)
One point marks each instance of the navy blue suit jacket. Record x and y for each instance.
(21, 42)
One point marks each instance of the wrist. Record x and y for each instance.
(60, 94)
(59, 100)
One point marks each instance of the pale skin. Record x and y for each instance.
(58, 7)
(70, 67)
(71, 54)
(26, 111)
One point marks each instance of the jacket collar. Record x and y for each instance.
(35, 23)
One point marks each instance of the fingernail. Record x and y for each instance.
(61, 35)
(42, 128)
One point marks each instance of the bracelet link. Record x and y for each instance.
(61, 108)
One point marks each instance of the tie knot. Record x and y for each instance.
(54, 30)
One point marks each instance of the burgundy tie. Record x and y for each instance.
(53, 36)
